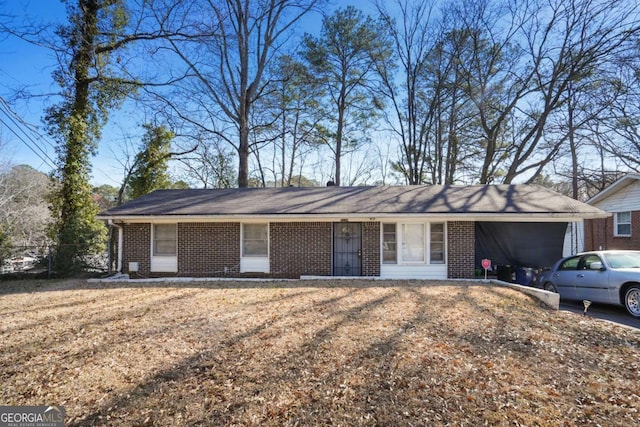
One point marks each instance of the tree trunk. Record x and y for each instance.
(572, 145)
(341, 112)
(74, 185)
(243, 150)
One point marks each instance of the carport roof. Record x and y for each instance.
(450, 200)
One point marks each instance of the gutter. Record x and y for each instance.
(373, 216)
(120, 243)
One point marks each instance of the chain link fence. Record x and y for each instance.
(37, 262)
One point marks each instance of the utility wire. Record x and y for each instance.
(19, 121)
(27, 138)
(45, 158)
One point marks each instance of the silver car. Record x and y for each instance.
(610, 277)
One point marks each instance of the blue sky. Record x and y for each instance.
(23, 65)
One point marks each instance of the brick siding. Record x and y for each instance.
(296, 249)
(599, 233)
(137, 248)
(300, 248)
(208, 249)
(461, 242)
(371, 249)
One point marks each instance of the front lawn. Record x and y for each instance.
(339, 353)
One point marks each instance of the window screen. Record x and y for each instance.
(165, 238)
(623, 224)
(437, 243)
(413, 246)
(255, 240)
(389, 244)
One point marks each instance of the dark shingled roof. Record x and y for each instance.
(428, 199)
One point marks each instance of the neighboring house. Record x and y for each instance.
(434, 232)
(621, 229)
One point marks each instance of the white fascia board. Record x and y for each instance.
(492, 217)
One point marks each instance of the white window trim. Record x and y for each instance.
(427, 243)
(163, 263)
(444, 243)
(153, 239)
(242, 255)
(615, 224)
(382, 224)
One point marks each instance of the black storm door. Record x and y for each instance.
(347, 249)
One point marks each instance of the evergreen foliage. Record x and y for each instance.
(344, 59)
(76, 122)
(152, 169)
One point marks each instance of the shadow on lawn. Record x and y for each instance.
(321, 352)
(210, 365)
(235, 381)
(49, 285)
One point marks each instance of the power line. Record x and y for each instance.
(45, 158)
(33, 140)
(19, 121)
(27, 138)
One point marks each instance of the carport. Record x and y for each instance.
(519, 247)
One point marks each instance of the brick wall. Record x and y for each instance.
(137, 248)
(461, 241)
(371, 249)
(300, 248)
(600, 233)
(296, 248)
(208, 249)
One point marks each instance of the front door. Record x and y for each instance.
(347, 249)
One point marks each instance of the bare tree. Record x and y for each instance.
(226, 46)
(24, 211)
(617, 134)
(210, 165)
(451, 131)
(414, 38)
(526, 57)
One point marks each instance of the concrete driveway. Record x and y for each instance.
(611, 313)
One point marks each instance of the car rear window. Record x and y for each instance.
(624, 260)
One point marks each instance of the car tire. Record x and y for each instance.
(550, 287)
(632, 300)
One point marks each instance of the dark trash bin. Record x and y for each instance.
(524, 275)
(504, 273)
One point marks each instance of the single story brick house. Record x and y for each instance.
(621, 229)
(428, 232)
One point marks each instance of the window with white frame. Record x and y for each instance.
(419, 243)
(255, 240)
(413, 245)
(389, 244)
(165, 239)
(436, 241)
(623, 224)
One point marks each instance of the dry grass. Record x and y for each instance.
(312, 353)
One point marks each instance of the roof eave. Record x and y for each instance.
(613, 188)
(373, 216)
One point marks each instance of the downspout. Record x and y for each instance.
(120, 244)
